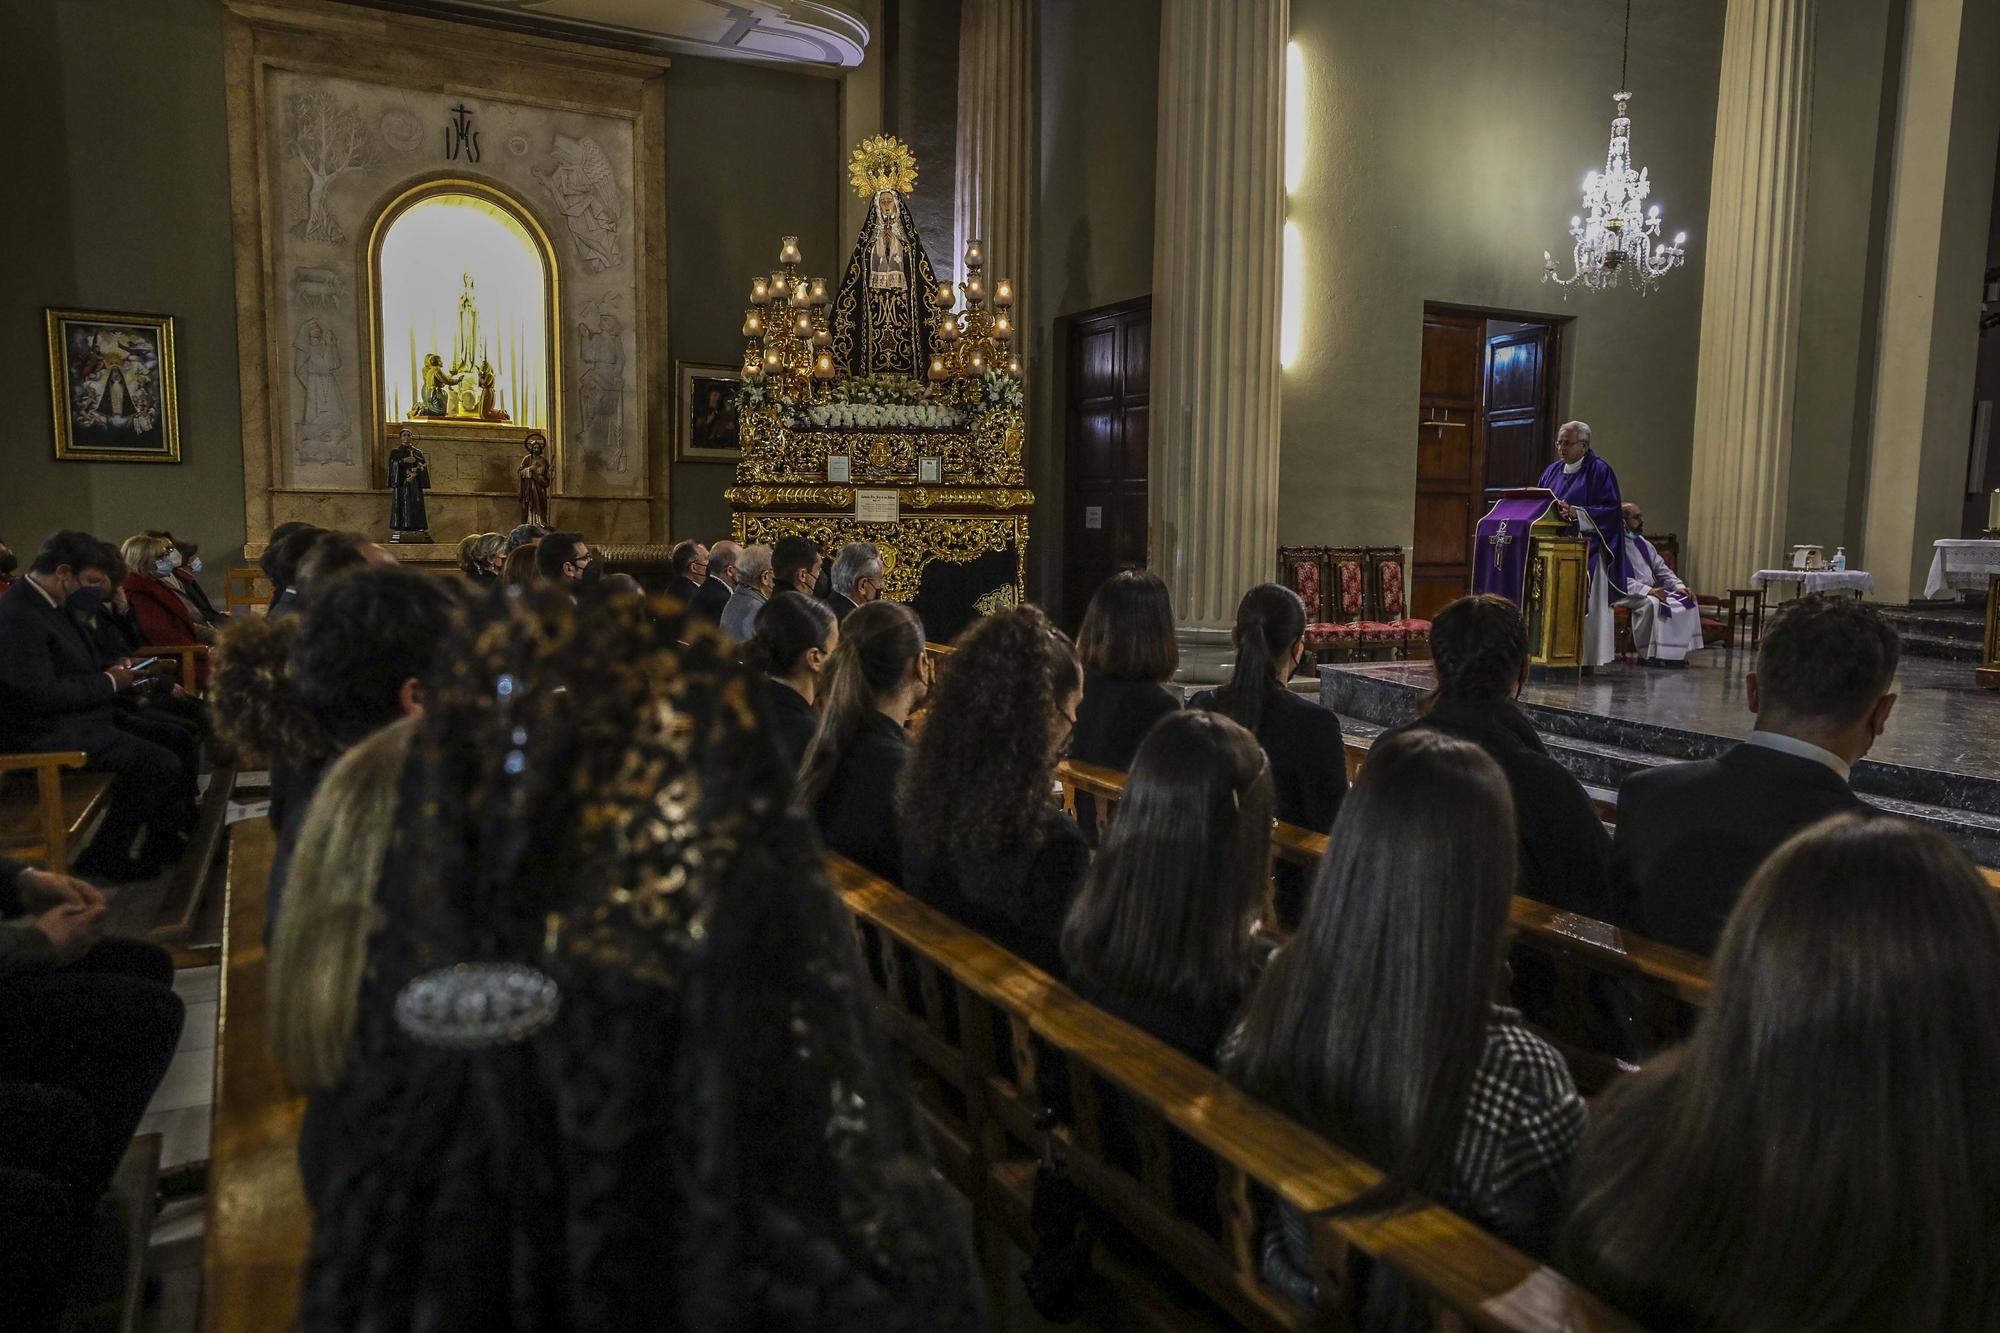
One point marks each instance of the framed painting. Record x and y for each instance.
(708, 430)
(111, 386)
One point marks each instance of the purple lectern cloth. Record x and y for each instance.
(1593, 488)
(1500, 547)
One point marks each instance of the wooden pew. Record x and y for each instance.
(1666, 981)
(190, 658)
(53, 822)
(983, 1115)
(258, 1224)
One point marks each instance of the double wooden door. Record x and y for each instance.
(1485, 418)
(1107, 437)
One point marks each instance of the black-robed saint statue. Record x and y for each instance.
(887, 304)
(409, 478)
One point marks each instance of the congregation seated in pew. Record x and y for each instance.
(853, 766)
(1690, 836)
(1127, 650)
(1303, 740)
(1375, 1023)
(794, 639)
(982, 841)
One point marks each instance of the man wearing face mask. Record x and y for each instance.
(565, 558)
(54, 695)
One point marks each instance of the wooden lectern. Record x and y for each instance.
(1527, 552)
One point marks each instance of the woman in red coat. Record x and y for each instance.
(166, 615)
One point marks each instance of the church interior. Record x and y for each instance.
(801, 801)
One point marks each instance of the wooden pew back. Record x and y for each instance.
(978, 1024)
(48, 815)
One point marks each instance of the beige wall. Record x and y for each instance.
(1100, 66)
(753, 154)
(120, 200)
(1447, 144)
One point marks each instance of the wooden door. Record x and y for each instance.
(1106, 443)
(1519, 405)
(1450, 458)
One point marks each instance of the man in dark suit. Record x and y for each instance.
(690, 560)
(857, 578)
(55, 696)
(721, 583)
(1690, 836)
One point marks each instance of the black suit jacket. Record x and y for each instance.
(1565, 852)
(793, 720)
(53, 693)
(840, 604)
(684, 590)
(714, 595)
(1690, 836)
(857, 814)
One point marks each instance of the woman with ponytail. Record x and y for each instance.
(876, 677)
(1307, 752)
(983, 841)
(793, 641)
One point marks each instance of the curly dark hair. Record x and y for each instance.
(1478, 646)
(977, 782)
(259, 713)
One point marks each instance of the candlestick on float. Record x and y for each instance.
(760, 291)
(788, 253)
(1003, 294)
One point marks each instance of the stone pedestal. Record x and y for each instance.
(1217, 269)
(1750, 298)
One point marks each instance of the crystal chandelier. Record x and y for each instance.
(1614, 240)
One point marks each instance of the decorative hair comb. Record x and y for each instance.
(471, 1005)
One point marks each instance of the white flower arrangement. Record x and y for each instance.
(883, 416)
(999, 389)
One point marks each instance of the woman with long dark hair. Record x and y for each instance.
(1375, 1024)
(1162, 933)
(1820, 1154)
(876, 678)
(1479, 652)
(794, 639)
(1307, 751)
(1127, 650)
(983, 842)
(613, 1065)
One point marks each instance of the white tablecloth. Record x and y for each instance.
(1816, 580)
(1960, 564)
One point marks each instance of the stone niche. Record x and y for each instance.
(383, 166)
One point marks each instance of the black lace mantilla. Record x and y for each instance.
(710, 1134)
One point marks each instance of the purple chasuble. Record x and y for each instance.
(1593, 488)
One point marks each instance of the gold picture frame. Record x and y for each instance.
(706, 431)
(113, 396)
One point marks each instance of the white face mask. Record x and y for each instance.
(194, 565)
(165, 567)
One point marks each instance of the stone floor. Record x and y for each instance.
(1942, 720)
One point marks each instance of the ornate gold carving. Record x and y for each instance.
(1004, 598)
(766, 497)
(966, 497)
(908, 547)
(882, 162)
(987, 454)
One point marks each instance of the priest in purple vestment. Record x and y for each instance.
(1587, 490)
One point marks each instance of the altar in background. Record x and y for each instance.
(888, 409)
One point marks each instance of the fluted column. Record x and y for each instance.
(1217, 267)
(1750, 300)
(996, 143)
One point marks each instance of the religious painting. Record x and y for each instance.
(710, 431)
(111, 386)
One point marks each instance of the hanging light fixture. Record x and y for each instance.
(1615, 241)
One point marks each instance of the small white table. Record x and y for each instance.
(1858, 581)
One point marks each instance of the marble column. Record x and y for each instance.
(1750, 298)
(996, 143)
(1933, 257)
(1217, 270)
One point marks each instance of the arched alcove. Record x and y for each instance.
(452, 262)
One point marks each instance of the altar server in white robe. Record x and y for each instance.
(1666, 622)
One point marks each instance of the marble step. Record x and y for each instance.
(1603, 751)
(1946, 648)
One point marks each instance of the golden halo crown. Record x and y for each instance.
(882, 162)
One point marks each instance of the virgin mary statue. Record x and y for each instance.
(887, 304)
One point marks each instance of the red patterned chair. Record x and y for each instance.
(1346, 630)
(1388, 585)
(1303, 569)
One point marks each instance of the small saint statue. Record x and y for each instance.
(409, 478)
(534, 475)
(438, 387)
